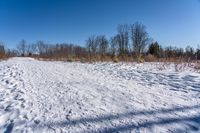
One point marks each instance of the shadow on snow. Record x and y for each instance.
(192, 123)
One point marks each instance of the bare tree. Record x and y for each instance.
(123, 31)
(140, 38)
(11, 52)
(198, 53)
(2, 50)
(91, 45)
(114, 45)
(190, 52)
(102, 42)
(42, 48)
(34, 48)
(22, 47)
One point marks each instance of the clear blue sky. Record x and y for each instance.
(170, 22)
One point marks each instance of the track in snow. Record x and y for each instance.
(41, 96)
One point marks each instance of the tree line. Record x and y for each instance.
(131, 43)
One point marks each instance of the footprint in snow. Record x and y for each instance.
(22, 105)
(7, 82)
(37, 121)
(8, 108)
(9, 127)
(68, 114)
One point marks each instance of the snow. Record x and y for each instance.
(43, 96)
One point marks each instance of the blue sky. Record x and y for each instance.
(170, 22)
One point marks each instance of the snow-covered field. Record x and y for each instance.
(41, 96)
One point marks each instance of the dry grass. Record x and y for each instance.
(179, 63)
(150, 58)
(197, 66)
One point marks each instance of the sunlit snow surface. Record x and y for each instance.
(43, 96)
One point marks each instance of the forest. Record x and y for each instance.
(131, 43)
